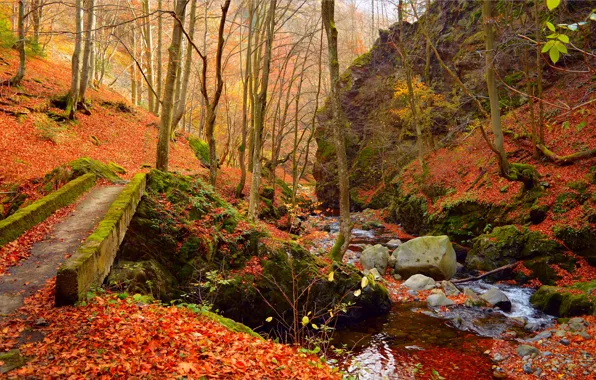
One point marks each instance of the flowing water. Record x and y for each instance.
(413, 341)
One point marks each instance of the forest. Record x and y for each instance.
(298, 189)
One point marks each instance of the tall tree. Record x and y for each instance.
(212, 103)
(163, 143)
(181, 109)
(159, 57)
(245, 104)
(75, 83)
(260, 106)
(149, 56)
(88, 61)
(338, 125)
(18, 78)
(495, 111)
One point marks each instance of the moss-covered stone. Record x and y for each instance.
(88, 165)
(230, 324)
(11, 360)
(200, 148)
(581, 241)
(27, 217)
(508, 244)
(116, 168)
(147, 277)
(580, 299)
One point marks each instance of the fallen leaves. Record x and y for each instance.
(111, 337)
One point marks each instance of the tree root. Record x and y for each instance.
(569, 159)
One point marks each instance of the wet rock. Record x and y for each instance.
(449, 288)
(391, 262)
(438, 299)
(375, 273)
(375, 256)
(527, 350)
(420, 282)
(565, 342)
(528, 368)
(497, 298)
(473, 299)
(394, 243)
(531, 326)
(577, 324)
(541, 336)
(429, 255)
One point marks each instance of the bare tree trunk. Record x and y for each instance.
(149, 56)
(212, 104)
(181, 108)
(73, 95)
(87, 62)
(159, 57)
(427, 52)
(338, 126)
(36, 16)
(495, 111)
(260, 107)
(163, 143)
(133, 71)
(539, 75)
(18, 78)
(245, 86)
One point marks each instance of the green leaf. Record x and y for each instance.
(593, 17)
(330, 277)
(552, 36)
(364, 282)
(315, 326)
(547, 46)
(269, 319)
(305, 320)
(564, 38)
(357, 293)
(552, 4)
(550, 26)
(561, 48)
(554, 55)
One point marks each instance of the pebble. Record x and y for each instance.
(565, 342)
(527, 368)
(527, 350)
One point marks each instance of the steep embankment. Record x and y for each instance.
(381, 139)
(35, 137)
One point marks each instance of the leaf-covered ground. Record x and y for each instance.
(113, 337)
(33, 143)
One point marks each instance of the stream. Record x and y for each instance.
(414, 341)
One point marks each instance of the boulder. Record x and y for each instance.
(509, 244)
(473, 299)
(526, 349)
(566, 301)
(438, 299)
(449, 288)
(420, 282)
(394, 243)
(497, 298)
(429, 255)
(375, 256)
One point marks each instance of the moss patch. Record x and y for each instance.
(580, 299)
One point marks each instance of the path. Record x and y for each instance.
(47, 255)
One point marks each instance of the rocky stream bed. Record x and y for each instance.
(461, 336)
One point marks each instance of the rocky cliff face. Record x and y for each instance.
(381, 140)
